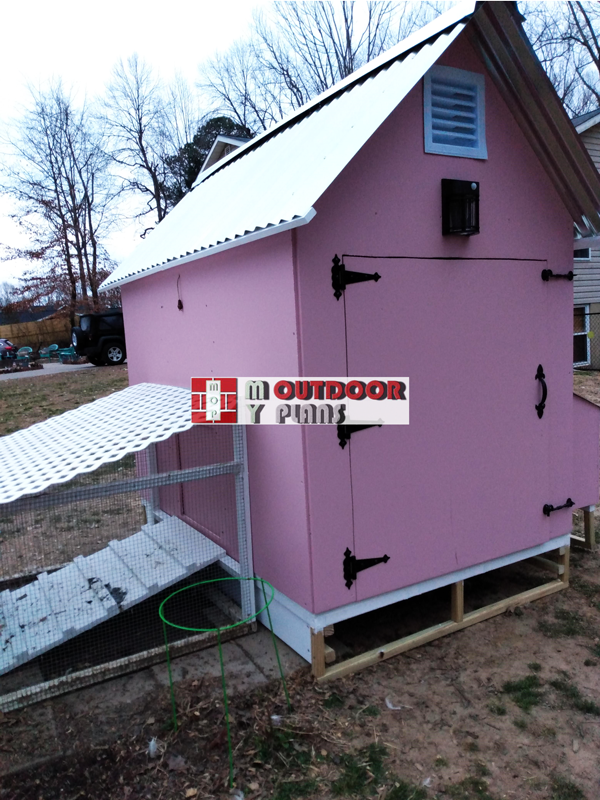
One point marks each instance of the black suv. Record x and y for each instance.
(100, 337)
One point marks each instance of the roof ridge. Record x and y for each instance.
(412, 43)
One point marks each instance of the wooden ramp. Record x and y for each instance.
(90, 590)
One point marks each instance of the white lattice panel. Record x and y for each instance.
(82, 440)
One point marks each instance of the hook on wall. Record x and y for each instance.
(179, 303)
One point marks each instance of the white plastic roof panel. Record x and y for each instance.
(58, 449)
(274, 186)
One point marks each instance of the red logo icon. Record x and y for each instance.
(214, 400)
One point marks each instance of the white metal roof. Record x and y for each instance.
(260, 190)
(58, 449)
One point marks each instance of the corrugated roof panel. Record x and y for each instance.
(274, 186)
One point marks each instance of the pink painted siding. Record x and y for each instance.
(239, 318)
(466, 480)
(586, 463)
(388, 202)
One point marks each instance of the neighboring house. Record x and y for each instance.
(239, 274)
(586, 288)
(222, 146)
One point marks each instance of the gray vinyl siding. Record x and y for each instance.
(586, 286)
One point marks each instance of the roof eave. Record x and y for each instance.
(499, 38)
(271, 230)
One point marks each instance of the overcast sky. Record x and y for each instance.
(80, 41)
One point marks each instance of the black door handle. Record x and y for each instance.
(539, 376)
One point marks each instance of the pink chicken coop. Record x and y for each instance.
(449, 167)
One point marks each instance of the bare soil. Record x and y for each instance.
(439, 720)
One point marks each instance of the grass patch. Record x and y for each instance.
(371, 711)
(575, 698)
(440, 762)
(524, 693)
(568, 623)
(563, 789)
(279, 747)
(469, 789)
(406, 791)
(362, 772)
(534, 666)
(480, 769)
(497, 708)
(333, 701)
(24, 401)
(287, 790)
(589, 590)
(520, 723)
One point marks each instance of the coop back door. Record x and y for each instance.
(466, 480)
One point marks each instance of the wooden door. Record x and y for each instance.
(465, 482)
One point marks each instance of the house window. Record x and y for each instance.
(582, 255)
(454, 110)
(581, 340)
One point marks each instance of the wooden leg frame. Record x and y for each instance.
(589, 534)
(458, 620)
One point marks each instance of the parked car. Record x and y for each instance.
(100, 337)
(7, 349)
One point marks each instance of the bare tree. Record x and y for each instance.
(57, 173)
(298, 50)
(566, 38)
(148, 124)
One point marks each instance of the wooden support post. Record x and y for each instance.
(317, 653)
(588, 527)
(563, 560)
(458, 601)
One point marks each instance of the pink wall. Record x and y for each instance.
(238, 318)
(387, 202)
(586, 464)
(268, 308)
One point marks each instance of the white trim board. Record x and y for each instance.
(292, 623)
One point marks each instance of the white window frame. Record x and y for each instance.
(458, 76)
(585, 258)
(586, 312)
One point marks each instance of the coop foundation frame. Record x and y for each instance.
(306, 633)
(588, 541)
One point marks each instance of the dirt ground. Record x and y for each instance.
(509, 708)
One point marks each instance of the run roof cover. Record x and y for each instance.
(60, 448)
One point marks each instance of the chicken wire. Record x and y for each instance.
(84, 565)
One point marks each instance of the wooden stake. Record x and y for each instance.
(458, 601)
(588, 526)
(563, 560)
(317, 653)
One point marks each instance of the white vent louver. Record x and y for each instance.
(454, 117)
(454, 106)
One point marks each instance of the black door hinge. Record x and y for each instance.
(354, 565)
(344, 432)
(341, 277)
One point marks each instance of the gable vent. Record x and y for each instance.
(454, 113)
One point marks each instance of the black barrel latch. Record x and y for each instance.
(548, 509)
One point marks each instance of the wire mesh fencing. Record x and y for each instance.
(85, 565)
(586, 339)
